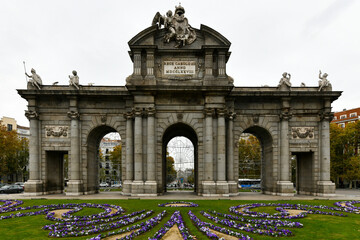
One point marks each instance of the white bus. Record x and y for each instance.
(249, 183)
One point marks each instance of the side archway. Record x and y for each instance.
(266, 142)
(91, 173)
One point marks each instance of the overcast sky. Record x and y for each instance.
(268, 37)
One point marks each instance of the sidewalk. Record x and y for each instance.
(341, 194)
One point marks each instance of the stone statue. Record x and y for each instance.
(35, 79)
(74, 80)
(324, 84)
(177, 26)
(285, 83)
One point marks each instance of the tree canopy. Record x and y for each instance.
(14, 152)
(249, 157)
(344, 147)
(170, 169)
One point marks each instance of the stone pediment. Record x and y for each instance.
(174, 56)
(154, 36)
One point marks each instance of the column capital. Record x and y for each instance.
(73, 115)
(326, 116)
(285, 115)
(31, 115)
(221, 112)
(129, 115)
(138, 112)
(231, 116)
(209, 112)
(150, 111)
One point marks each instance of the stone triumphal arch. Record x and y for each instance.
(179, 87)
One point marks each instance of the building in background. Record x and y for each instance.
(109, 172)
(346, 116)
(22, 132)
(9, 123)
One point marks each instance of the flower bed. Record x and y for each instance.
(206, 226)
(111, 221)
(178, 204)
(175, 219)
(282, 207)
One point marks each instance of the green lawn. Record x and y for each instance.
(315, 226)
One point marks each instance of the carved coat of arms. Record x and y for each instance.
(178, 27)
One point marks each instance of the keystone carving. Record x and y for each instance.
(103, 119)
(56, 131)
(256, 118)
(302, 132)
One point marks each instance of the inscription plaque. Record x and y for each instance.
(179, 68)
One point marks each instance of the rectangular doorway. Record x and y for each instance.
(304, 172)
(55, 171)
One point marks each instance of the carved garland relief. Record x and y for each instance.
(56, 131)
(302, 132)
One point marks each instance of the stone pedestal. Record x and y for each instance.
(326, 188)
(233, 188)
(33, 187)
(222, 188)
(150, 188)
(208, 188)
(285, 188)
(126, 187)
(75, 188)
(137, 187)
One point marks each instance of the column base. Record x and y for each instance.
(34, 187)
(150, 80)
(208, 187)
(126, 187)
(326, 189)
(150, 187)
(137, 187)
(222, 188)
(233, 188)
(285, 188)
(75, 188)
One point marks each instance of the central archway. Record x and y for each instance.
(179, 130)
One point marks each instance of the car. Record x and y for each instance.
(21, 184)
(116, 185)
(104, 184)
(11, 189)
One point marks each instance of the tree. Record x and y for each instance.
(14, 152)
(102, 176)
(23, 158)
(344, 146)
(249, 157)
(191, 178)
(170, 169)
(115, 158)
